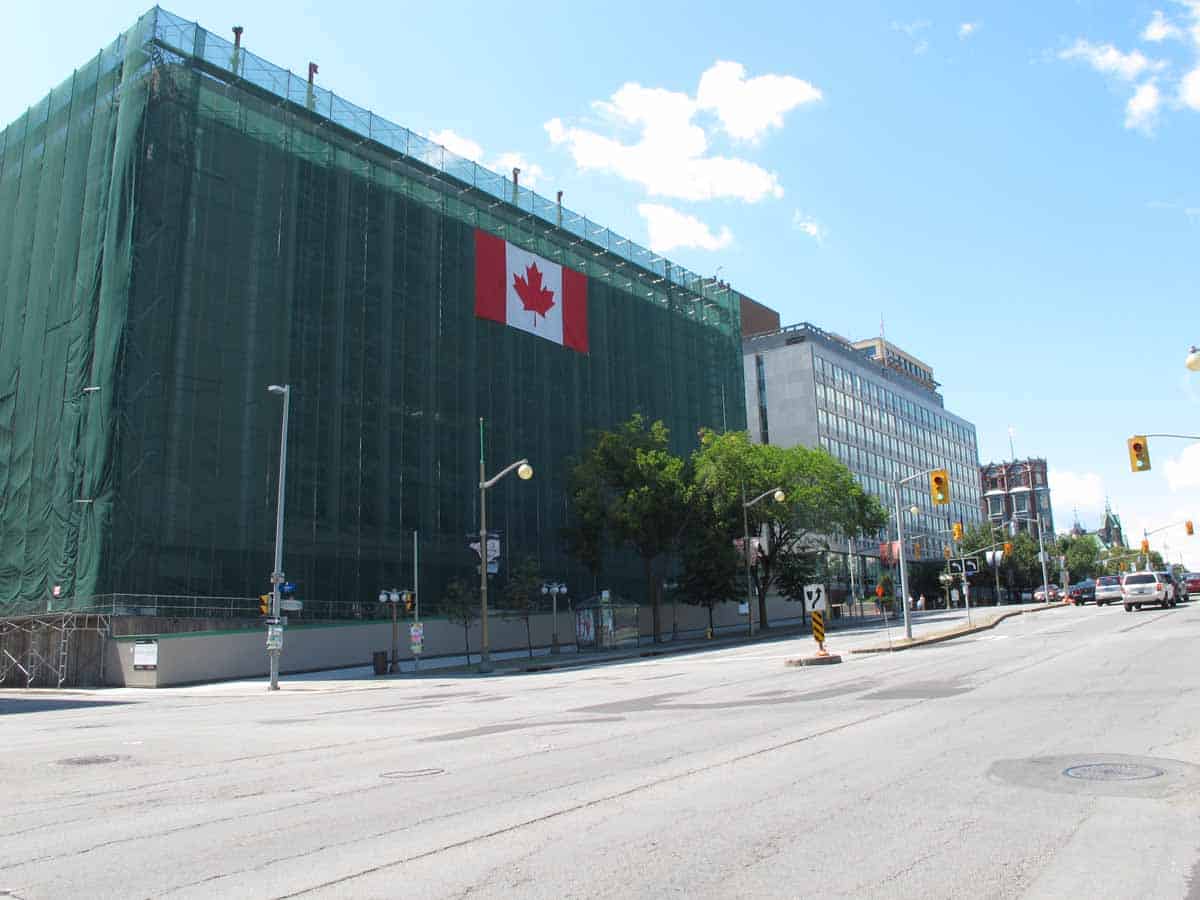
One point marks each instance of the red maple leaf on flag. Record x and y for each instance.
(534, 297)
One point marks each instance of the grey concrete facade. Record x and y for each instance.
(805, 386)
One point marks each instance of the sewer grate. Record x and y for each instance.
(413, 773)
(88, 760)
(1107, 771)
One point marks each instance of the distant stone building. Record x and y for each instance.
(1016, 496)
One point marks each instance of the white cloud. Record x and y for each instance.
(808, 225)
(1142, 109)
(913, 30)
(457, 144)
(670, 157)
(1183, 472)
(748, 108)
(1159, 29)
(1109, 60)
(531, 173)
(669, 228)
(1189, 89)
(966, 29)
(1075, 490)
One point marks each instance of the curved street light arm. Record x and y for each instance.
(492, 481)
(763, 496)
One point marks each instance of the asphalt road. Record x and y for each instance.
(1055, 756)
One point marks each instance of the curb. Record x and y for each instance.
(828, 659)
(964, 632)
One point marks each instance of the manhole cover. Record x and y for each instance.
(88, 760)
(1113, 772)
(414, 773)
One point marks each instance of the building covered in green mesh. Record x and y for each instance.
(184, 224)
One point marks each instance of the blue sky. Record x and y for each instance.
(1011, 187)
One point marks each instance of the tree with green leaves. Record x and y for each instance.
(628, 488)
(461, 606)
(822, 499)
(523, 596)
(1082, 553)
(708, 557)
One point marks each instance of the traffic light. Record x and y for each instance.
(939, 487)
(264, 604)
(1187, 526)
(1007, 548)
(408, 601)
(1145, 546)
(957, 530)
(916, 550)
(1139, 453)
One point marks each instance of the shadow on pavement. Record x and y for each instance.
(14, 705)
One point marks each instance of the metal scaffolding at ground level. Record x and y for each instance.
(53, 650)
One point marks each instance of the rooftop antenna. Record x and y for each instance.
(516, 175)
(560, 209)
(235, 61)
(1011, 452)
(311, 100)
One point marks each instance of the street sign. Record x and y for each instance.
(287, 588)
(291, 604)
(814, 597)
(272, 620)
(956, 566)
(971, 566)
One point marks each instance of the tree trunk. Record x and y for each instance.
(528, 637)
(760, 586)
(467, 641)
(650, 586)
(711, 629)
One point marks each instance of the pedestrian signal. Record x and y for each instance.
(957, 529)
(1007, 548)
(1145, 546)
(264, 604)
(1139, 453)
(946, 552)
(1188, 527)
(916, 551)
(939, 487)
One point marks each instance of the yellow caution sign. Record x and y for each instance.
(818, 626)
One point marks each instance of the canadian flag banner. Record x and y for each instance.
(529, 292)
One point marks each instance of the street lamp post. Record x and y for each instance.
(900, 540)
(273, 651)
(554, 589)
(778, 496)
(1036, 520)
(524, 471)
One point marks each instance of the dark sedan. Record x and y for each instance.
(1083, 592)
(1191, 585)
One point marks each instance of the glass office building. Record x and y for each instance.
(185, 224)
(883, 418)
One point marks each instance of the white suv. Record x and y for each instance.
(1147, 587)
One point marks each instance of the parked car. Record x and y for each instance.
(1108, 590)
(1039, 596)
(1082, 592)
(1147, 587)
(1191, 585)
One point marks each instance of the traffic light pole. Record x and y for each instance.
(900, 540)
